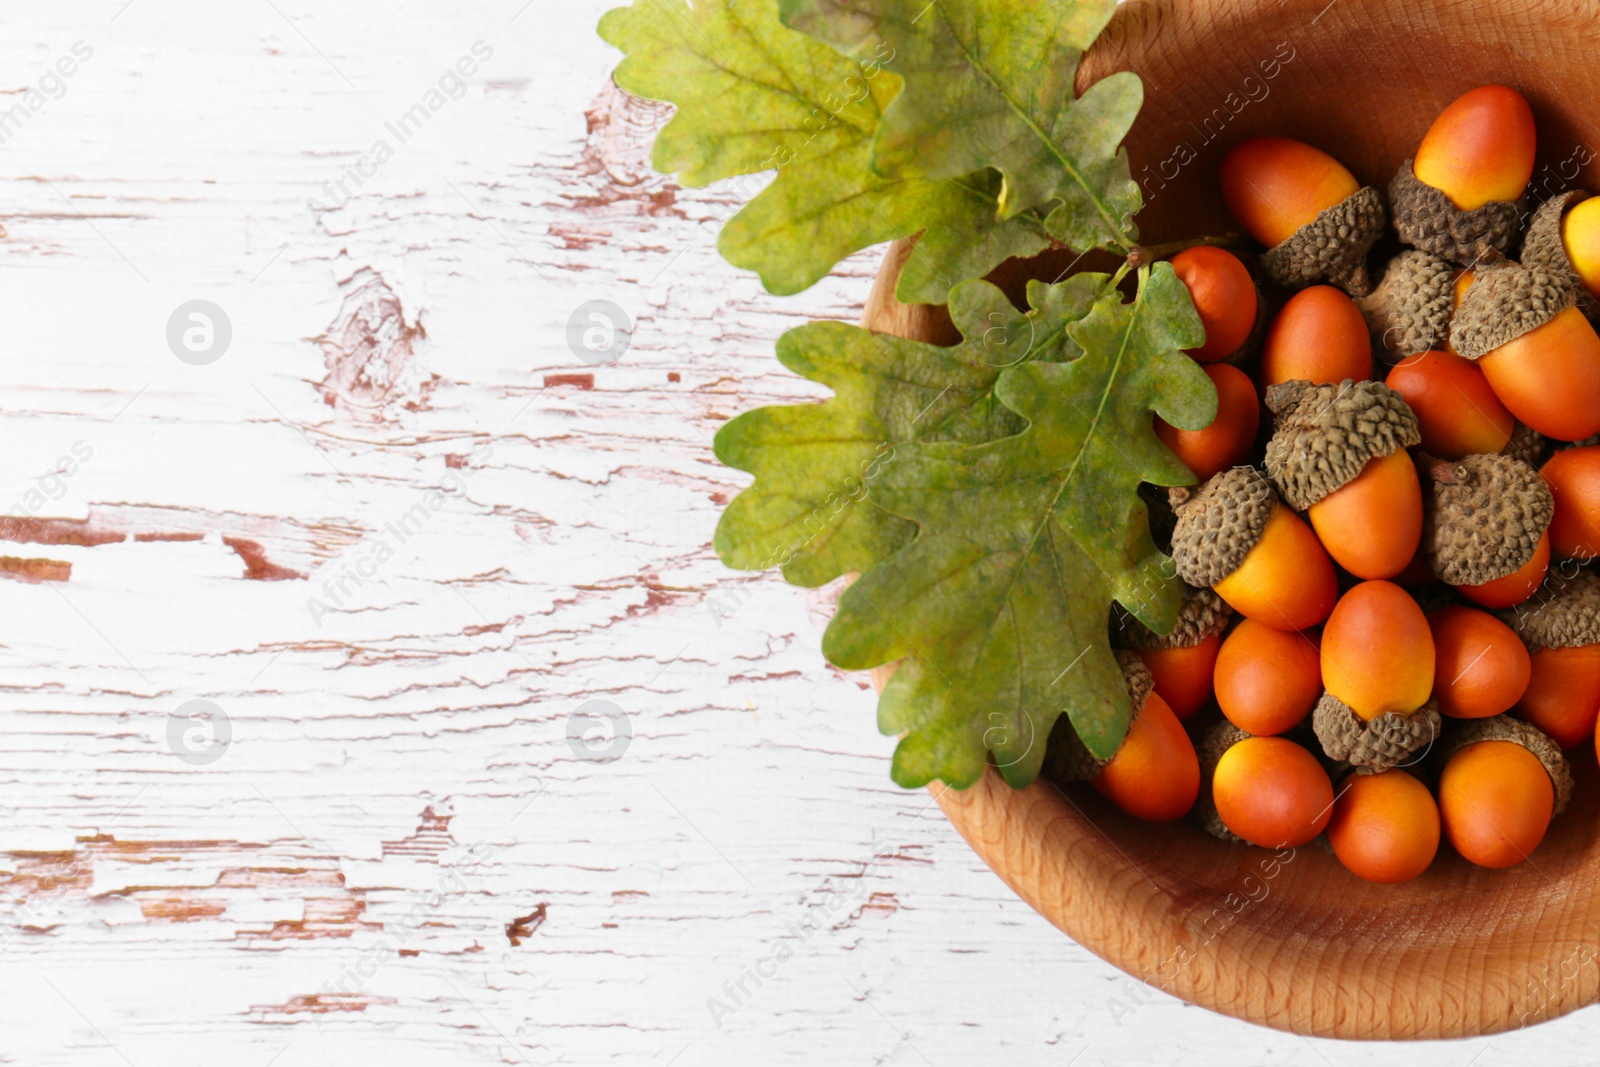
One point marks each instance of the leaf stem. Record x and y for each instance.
(1139, 255)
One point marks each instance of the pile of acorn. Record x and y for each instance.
(1387, 596)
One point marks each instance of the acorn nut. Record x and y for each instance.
(1409, 310)
(1316, 221)
(1540, 355)
(1338, 452)
(1486, 530)
(1233, 535)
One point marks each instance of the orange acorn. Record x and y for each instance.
(1315, 219)
(1562, 632)
(1234, 536)
(1539, 354)
(1385, 826)
(1225, 296)
(1155, 774)
(1457, 413)
(1580, 239)
(1318, 336)
(1231, 435)
(1481, 666)
(1573, 475)
(1377, 651)
(1480, 149)
(1563, 239)
(1378, 667)
(1338, 452)
(1469, 172)
(1502, 782)
(1271, 792)
(1267, 680)
(1182, 662)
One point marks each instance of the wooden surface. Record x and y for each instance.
(400, 858)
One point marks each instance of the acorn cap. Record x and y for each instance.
(1530, 737)
(1214, 742)
(1543, 249)
(1562, 446)
(1332, 246)
(1219, 523)
(1505, 301)
(1564, 613)
(1203, 614)
(1527, 444)
(1326, 434)
(1483, 516)
(1388, 740)
(1409, 311)
(1072, 761)
(1425, 218)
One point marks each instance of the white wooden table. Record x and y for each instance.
(399, 535)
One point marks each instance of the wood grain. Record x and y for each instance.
(1292, 940)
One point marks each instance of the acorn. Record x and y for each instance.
(1540, 355)
(1181, 662)
(1155, 774)
(1486, 529)
(1227, 441)
(1217, 739)
(1409, 310)
(1319, 335)
(1556, 234)
(1316, 221)
(1501, 781)
(1457, 412)
(1338, 452)
(1573, 475)
(1267, 791)
(1463, 188)
(1234, 536)
(1387, 740)
(1562, 632)
(1385, 826)
(1226, 298)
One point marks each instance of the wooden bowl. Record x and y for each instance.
(1299, 943)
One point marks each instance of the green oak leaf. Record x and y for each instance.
(753, 95)
(999, 604)
(988, 83)
(810, 509)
